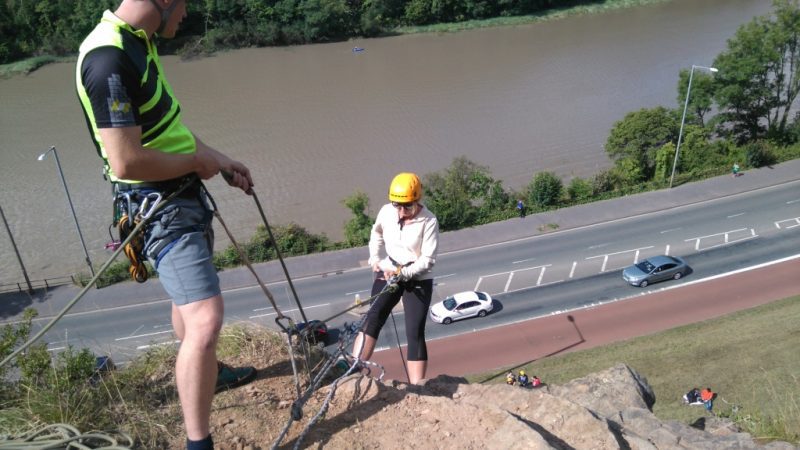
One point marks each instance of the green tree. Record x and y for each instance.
(700, 99)
(545, 189)
(759, 75)
(463, 195)
(357, 229)
(640, 134)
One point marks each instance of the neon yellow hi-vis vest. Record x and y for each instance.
(123, 90)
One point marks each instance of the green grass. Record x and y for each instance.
(547, 15)
(749, 358)
(27, 66)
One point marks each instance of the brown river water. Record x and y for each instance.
(316, 123)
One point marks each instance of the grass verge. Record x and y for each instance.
(749, 358)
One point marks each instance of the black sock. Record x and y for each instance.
(203, 444)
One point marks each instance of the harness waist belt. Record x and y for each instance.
(165, 187)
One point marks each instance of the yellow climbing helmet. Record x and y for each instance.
(405, 188)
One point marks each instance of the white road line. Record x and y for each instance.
(541, 275)
(735, 215)
(287, 311)
(523, 260)
(592, 247)
(142, 335)
(670, 230)
(160, 344)
(572, 271)
(727, 239)
(508, 282)
(796, 221)
(356, 292)
(792, 201)
(666, 251)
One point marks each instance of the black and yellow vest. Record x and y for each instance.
(163, 130)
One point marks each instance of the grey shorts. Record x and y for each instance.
(179, 244)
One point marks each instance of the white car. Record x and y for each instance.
(460, 306)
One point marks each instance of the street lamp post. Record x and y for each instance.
(683, 118)
(42, 157)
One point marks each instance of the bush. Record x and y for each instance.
(759, 154)
(545, 190)
(579, 190)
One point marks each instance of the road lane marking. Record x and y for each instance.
(735, 215)
(508, 282)
(287, 311)
(605, 257)
(572, 271)
(523, 260)
(160, 344)
(142, 335)
(670, 230)
(726, 238)
(796, 221)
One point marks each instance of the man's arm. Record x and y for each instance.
(130, 160)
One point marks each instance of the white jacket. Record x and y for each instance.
(416, 242)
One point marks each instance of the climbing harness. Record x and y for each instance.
(131, 206)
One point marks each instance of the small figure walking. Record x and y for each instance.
(735, 171)
(521, 208)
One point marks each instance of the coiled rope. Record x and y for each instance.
(62, 436)
(133, 249)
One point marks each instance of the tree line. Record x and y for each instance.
(56, 27)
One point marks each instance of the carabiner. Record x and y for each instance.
(143, 208)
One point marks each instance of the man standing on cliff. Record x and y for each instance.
(135, 122)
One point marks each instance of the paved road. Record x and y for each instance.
(531, 340)
(49, 302)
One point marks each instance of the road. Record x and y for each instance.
(529, 277)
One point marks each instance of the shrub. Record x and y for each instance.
(579, 190)
(545, 190)
(759, 154)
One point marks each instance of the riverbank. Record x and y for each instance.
(26, 66)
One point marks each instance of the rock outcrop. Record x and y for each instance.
(605, 410)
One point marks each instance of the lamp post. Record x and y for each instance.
(42, 157)
(14, 244)
(683, 118)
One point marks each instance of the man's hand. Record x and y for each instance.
(211, 162)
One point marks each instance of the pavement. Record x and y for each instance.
(49, 302)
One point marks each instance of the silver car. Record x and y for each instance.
(657, 268)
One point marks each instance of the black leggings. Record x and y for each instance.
(416, 295)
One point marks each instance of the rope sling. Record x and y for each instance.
(61, 436)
